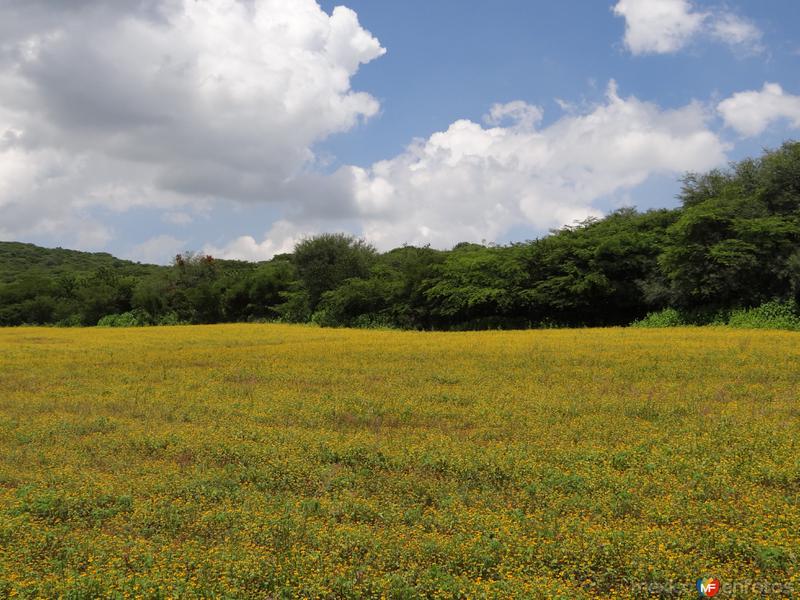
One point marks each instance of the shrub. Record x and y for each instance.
(170, 319)
(70, 321)
(373, 321)
(669, 317)
(134, 318)
(324, 318)
(772, 315)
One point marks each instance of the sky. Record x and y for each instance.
(145, 128)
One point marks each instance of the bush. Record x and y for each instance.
(295, 309)
(134, 318)
(324, 318)
(772, 315)
(373, 321)
(170, 319)
(70, 321)
(669, 317)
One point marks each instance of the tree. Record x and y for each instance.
(195, 294)
(256, 295)
(478, 286)
(596, 273)
(737, 239)
(325, 261)
(105, 292)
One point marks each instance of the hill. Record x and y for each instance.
(18, 260)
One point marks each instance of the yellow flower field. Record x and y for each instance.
(272, 461)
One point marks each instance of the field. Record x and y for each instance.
(278, 461)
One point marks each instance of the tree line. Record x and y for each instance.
(733, 243)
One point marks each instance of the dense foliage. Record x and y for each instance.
(732, 245)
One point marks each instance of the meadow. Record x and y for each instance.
(281, 461)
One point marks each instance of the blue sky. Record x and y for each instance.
(452, 59)
(239, 126)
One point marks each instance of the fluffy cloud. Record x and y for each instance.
(666, 26)
(281, 238)
(658, 26)
(160, 249)
(751, 112)
(145, 103)
(473, 183)
(180, 105)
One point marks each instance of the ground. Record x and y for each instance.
(276, 461)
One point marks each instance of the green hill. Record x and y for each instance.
(68, 287)
(18, 260)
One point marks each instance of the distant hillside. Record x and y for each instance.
(18, 259)
(67, 287)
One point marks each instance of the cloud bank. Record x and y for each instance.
(145, 103)
(182, 105)
(473, 183)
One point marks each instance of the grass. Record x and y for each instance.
(276, 461)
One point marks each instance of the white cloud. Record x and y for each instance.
(667, 26)
(31, 183)
(179, 105)
(158, 250)
(168, 104)
(751, 112)
(281, 238)
(518, 112)
(737, 32)
(473, 183)
(659, 26)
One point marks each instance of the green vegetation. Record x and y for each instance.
(19, 260)
(772, 315)
(733, 246)
(669, 317)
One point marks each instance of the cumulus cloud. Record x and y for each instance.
(659, 26)
(667, 26)
(164, 103)
(751, 112)
(160, 250)
(180, 105)
(473, 183)
(281, 238)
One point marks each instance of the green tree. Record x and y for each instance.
(325, 261)
(737, 240)
(256, 295)
(478, 286)
(597, 272)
